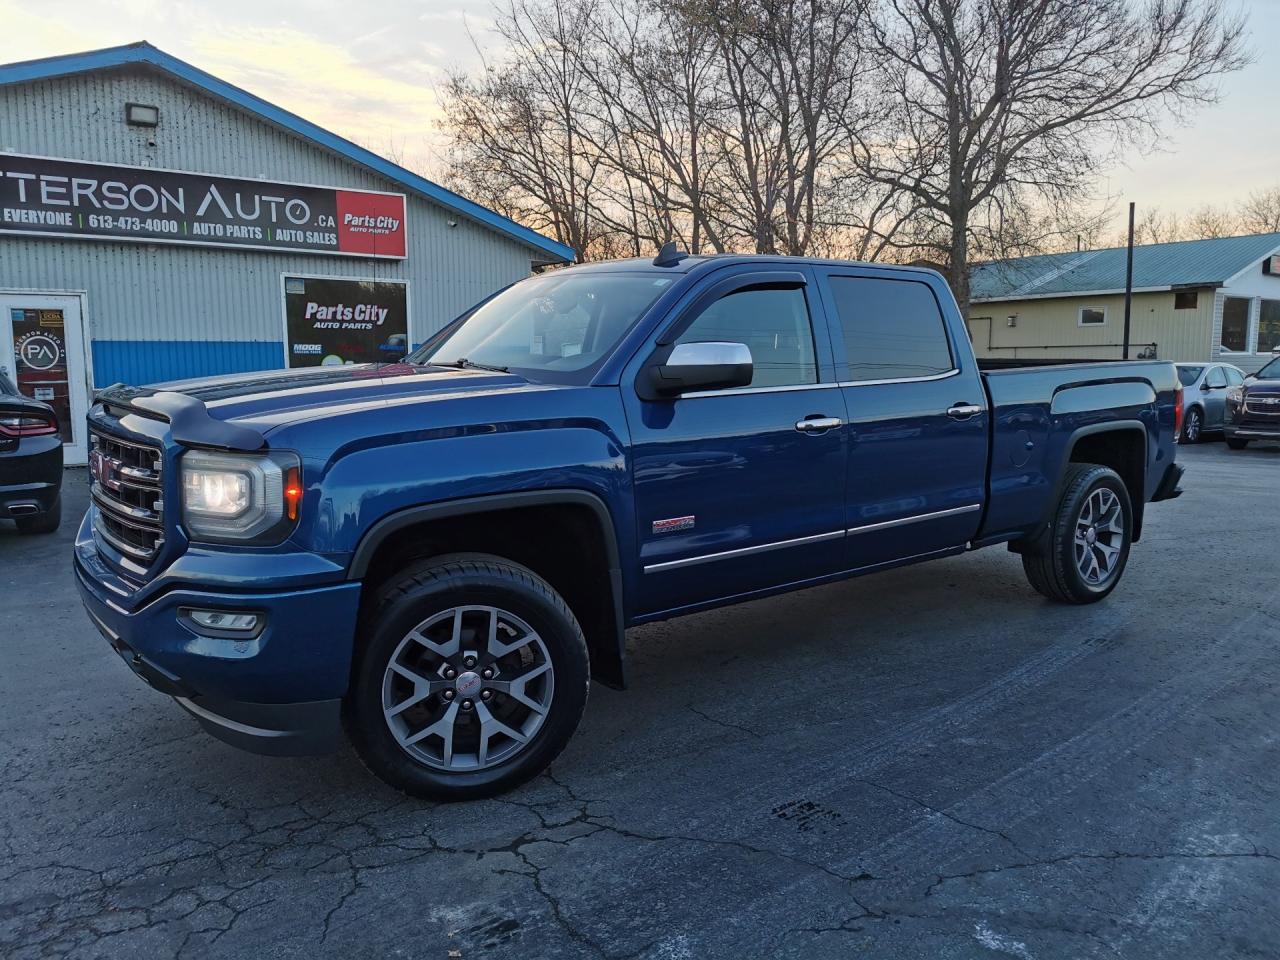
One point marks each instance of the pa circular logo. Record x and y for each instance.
(39, 351)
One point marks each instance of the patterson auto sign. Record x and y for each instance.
(42, 196)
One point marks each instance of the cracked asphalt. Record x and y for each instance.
(932, 762)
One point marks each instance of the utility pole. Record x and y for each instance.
(1128, 285)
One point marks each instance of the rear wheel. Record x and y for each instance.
(1235, 443)
(1082, 555)
(47, 522)
(1193, 426)
(472, 676)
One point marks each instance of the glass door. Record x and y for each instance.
(42, 349)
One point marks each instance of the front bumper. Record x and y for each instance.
(278, 693)
(1252, 430)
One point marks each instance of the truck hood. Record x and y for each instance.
(270, 399)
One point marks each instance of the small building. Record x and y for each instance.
(1196, 301)
(157, 223)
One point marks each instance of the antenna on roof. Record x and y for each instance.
(668, 256)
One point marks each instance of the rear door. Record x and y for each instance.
(918, 418)
(733, 492)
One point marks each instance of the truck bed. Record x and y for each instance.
(1039, 412)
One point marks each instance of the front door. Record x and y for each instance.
(42, 348)
(734, 492)
(1214, 393)
(917, 416)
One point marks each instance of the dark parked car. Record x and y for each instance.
(1253, 409)
(30, 461)
(439, 552)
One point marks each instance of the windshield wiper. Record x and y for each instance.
(462, 363)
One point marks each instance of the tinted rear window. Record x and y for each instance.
(893, 329)
(1189, 375)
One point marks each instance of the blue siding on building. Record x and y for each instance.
(152, 361)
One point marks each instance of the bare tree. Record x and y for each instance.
(1260, 213)
(1209, 222)
(792, 76)
(996, 103)
(518, 142)
(653, 97)
(1153, 225)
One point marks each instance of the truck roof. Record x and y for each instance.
(689, 263)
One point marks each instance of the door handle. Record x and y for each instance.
(963, 411)
(818, 424)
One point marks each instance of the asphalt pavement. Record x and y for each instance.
(930, 762)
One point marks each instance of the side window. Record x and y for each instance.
(1233, 376)
(773, 322)
(893, 329)
(1216, 378)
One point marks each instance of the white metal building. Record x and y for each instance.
(152, 217)
(1198, 301)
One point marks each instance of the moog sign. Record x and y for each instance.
(76, 198)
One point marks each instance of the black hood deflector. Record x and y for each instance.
(189, 420)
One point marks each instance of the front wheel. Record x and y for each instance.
(1236, 444)
(471, 677)
(1082, 555)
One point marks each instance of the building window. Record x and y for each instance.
(1269, 326)
(1235, 324)
(1092, 316)
(1185, 299)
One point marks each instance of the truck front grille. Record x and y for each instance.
(125, 486)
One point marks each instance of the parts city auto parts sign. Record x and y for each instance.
(75, 198)
(330, 321)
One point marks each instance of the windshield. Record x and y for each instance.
(558, 327)
(1271, 371)
(1189, 375)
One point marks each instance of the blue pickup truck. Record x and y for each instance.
(439, 554)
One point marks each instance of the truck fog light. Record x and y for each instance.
(222, 620)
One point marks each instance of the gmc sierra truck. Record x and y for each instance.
(439, 554)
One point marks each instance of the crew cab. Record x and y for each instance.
(439, 554)
(1253, 408)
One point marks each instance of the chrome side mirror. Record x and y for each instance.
(702, 366)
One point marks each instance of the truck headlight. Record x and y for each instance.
(1235, 396)
(237, 498)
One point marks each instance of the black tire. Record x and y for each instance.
(47, 522)
(1235, 443)
(1193, 426)
(424, 590)
(1051, 564)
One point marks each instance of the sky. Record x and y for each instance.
(371, 72)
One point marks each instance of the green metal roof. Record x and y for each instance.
(1156, 266)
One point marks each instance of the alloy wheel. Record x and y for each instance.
(1099, 536)
(468, 688)
(1193, 426)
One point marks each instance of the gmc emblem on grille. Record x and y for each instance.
(105, 470)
